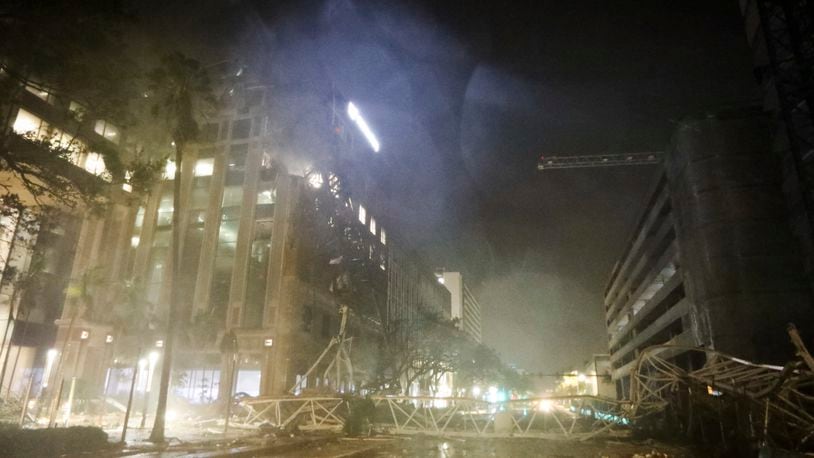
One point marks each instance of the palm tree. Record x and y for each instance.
(180, 92)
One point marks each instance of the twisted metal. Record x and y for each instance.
(766, 404)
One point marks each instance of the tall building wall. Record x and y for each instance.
(470, 317)
(254, 259)
(464, 305)
(742, 266)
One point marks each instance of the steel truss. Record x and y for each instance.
(598, 160)
(559, 417)
(753, 403)
(788, 29)
(763, 404)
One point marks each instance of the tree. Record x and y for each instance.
(181, 93)
(71, 54)
(68, 52)
(421, 349)
(426, 348)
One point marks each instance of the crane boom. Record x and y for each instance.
(599, 160)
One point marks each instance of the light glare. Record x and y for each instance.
(356, 117)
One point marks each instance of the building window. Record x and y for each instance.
(236, 164)
(252, 98)
(77, 110)
(204, 167)
(227, 243)
(265, 203)
(257, 275)
(169, 170)
(94, 163)
(28, 124)
(383, 236)
(41, 93)
(107, 130)
(209, 132)
(199, 198)
(241, 128)
(362, 214)
(165, 210)
(373, 225)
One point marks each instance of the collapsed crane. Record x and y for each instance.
(599, 160)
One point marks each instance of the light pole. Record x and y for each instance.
(152, 359)
(130, 397)
(228, 348)
(83, 337)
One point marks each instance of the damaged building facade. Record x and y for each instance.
(270, 253)
(712, 260)
(722, 254)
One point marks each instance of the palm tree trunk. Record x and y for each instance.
(157, 434)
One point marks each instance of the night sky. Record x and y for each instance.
(465, 96)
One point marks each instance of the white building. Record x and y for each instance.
(464, 305)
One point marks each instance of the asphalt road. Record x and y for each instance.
(511, 447)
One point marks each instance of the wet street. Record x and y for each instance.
(511, 447)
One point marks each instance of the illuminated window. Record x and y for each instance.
(95, 164)
(383, 236)
(107, 130)
(165, 210)
(169, 170)
(204, 167)
(373, 225)
(265, 203)
(362, 214)
(27, 123)
(77, 110)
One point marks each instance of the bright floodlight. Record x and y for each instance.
(356, 117)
